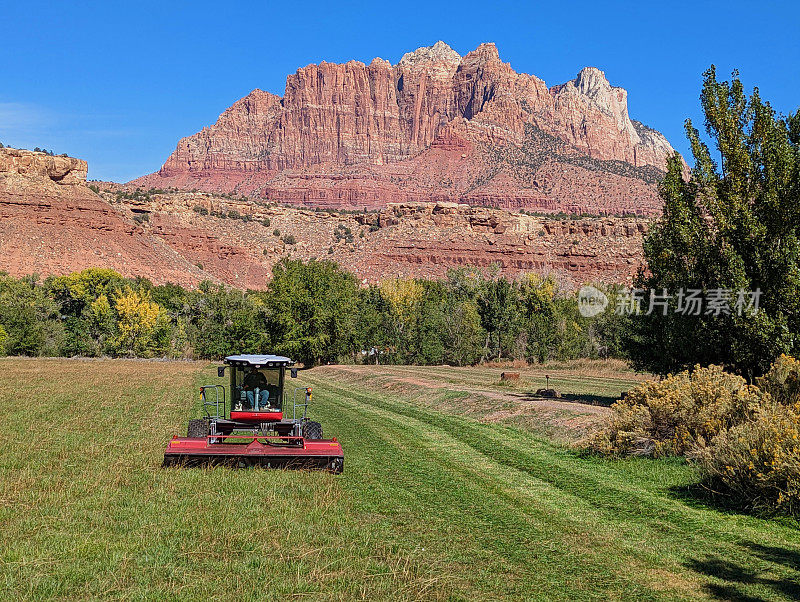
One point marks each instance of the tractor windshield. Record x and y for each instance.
(257, 389)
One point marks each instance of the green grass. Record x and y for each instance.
(431, 506)
(588, 388)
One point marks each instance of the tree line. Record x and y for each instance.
(315, 312)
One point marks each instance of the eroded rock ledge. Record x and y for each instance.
(61, 170)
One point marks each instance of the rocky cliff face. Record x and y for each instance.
(434, 126)
(27, 164)
(402, 239)
(51, 222)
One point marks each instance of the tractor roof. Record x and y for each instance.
(258, 361)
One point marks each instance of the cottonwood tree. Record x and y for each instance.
(311, 310)
(734, 224)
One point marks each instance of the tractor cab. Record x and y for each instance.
(258, 397)
(257, 386)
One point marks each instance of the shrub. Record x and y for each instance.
(289, 239)
(678, 414)
(744, 438)
(756, 464)
(342, 232)
(782, 381)
(266, 222)
(276, 232)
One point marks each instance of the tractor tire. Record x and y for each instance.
(312, 430)
(197, 428)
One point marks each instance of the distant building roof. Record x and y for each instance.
(258, 361)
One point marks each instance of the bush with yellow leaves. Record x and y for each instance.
(678, 414)
(756, 464)
(744, 438)
(782, 381)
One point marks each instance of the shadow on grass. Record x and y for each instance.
(700, 495)
(732, 579)
(763, 567)
(591, 400)
(788, 558)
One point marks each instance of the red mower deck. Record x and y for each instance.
(270, 452)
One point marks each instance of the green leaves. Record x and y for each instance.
(312, 308)
(732, 226)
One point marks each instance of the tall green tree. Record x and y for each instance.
(225, 321)
(733, 225)
(498, 308)
(312, 309)
(29, 319)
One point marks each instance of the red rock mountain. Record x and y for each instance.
(434, 127)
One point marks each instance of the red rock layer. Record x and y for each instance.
(51, 223)
(403, 239)
(48, 227)
(384, 124)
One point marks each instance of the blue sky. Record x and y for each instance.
(118, 83)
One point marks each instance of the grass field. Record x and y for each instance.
(434, 503)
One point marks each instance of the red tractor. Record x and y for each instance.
(255, 432)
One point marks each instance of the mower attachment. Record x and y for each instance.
(254, 450)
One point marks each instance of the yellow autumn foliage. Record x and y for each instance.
(757, 463)
(675, 415)
(744, 438)
(142, 325)
(403, 295)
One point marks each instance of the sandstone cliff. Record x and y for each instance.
(52, 223)
(239, 240)
(435, 126)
